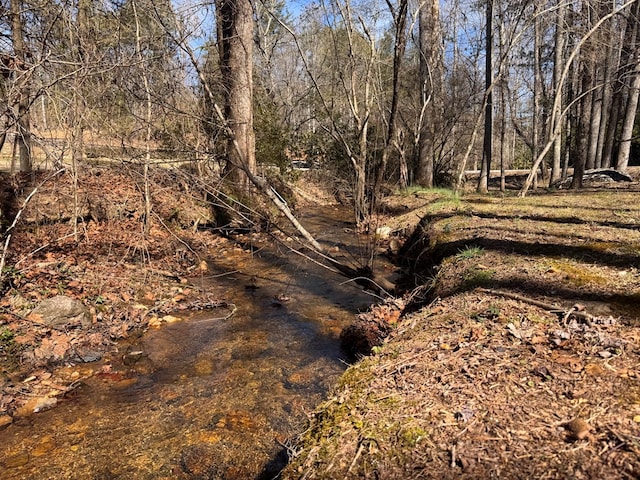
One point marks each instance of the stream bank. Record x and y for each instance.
(207, 394)
(520, 358)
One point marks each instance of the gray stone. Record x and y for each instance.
(62, 312)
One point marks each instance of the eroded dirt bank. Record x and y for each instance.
(521, 358)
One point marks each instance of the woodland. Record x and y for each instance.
(402, 93)
(141, 138)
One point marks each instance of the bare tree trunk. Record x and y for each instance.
(502, 74)
(485, 171)
(558, 58)
(609, 68)
(537, 82)
(631, 106)
(612, 126)
(621, 87)
(581, 146)
(148, 119)
(23, 123)
(77, 130)
(431, 79)
(235, 37)
(400, 22)
(629, 118)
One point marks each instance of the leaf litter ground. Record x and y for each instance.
(517, 357)
(127, 281)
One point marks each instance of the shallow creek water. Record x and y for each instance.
(209, 398)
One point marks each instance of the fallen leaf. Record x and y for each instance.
(577, 429)
(594, 369)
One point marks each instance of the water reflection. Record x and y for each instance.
(201, 398)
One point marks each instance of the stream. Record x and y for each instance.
(207, 397)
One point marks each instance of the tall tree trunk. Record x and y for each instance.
(595, 115)
(581, 137)
(607, 92)
(23, 123)
(431, 79)
(537, 82)
(503, 83)
(621, 87)
(148, 118)
(400, 22)
(631, 105)
(485, 171)
(77, 115)
(235, 36)
(629, 118)
(612, 127)
(558, 65)
(81, 40)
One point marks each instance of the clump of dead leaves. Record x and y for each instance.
(122, 275)
(369, 329)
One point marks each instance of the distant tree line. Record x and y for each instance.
(404, 92)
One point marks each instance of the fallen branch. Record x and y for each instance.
(575, 311)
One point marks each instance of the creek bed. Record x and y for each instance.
(206, 398)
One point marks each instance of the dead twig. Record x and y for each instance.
(8, 232)
(574, 311)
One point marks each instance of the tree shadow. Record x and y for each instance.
(573, 220)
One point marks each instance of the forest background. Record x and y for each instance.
(374, 92)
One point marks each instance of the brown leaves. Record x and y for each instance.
(52, 348)
(578, 429)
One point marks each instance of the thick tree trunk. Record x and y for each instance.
(485, 171)
(23, 123)
(235, 30)
(582, 138)
(629, 119)
(431, 79)
(631, 106)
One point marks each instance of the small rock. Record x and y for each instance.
(577, 429)
(88, 356)
(131, 358)
(61, 312)
(17, 460)
(383, 232)
(36, 405)
(171, 319)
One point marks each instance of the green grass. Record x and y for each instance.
(470, 252)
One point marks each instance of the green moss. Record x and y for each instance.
(578, 275)
(476, 277)
(412, 435)
(9, 349)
